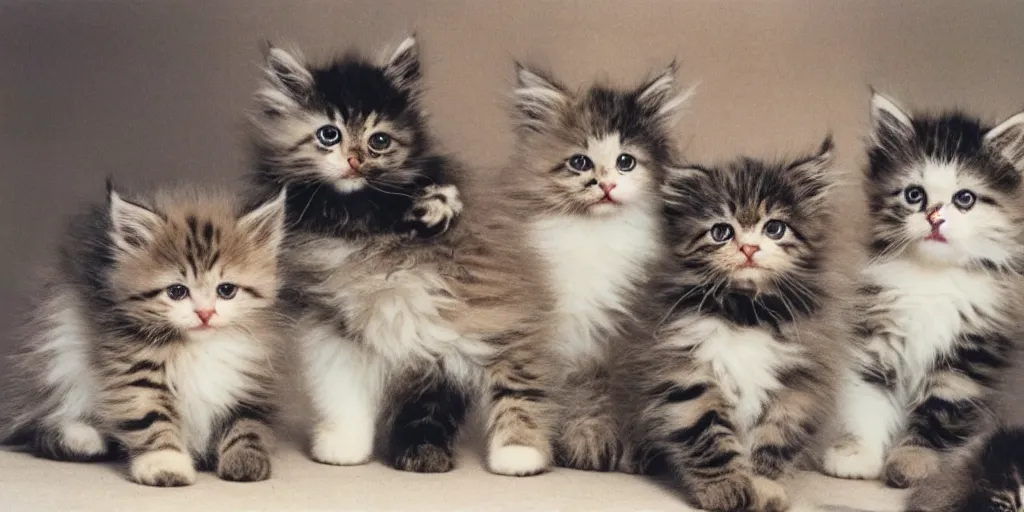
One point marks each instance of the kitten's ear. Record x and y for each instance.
(403, 67)
(133, 227)
(814, 175)
(889, 122)
(264, 225)
(291, 82)
(660, 98)
(1008, 140)
(539, 100)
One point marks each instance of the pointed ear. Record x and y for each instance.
(403, 67)
(889, 122)
(660, 98)
(539, 100)
(133, 227)
(264, 225)
(814, 175)
(1007, 139)
(290, 82)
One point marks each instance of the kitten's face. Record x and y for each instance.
(751, 225)
(598, 151)
(946, 189)
(349, 125)
(192, 265)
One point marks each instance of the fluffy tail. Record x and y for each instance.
(987, 477)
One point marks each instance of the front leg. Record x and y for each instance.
(588, 436)
(428, 410)
(246, 442)
(434, 211)
(792, 417)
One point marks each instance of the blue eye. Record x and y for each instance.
(625, 162)
(580, 163)
(328, 135)
(227, 291)
(964, 199)
(775, 229)
(721, 232)
(379, 141)
(914, 195)
(177, 292)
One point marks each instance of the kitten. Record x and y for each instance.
(400, 336)
(941, 298)
(593, 162)
(733, 381)
(157, 332)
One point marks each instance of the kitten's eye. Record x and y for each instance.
(379, 141)
(775, 229)
(226, 291)
(328, 135)
(625, 162)
(177, 292)
(914, 195)
(964, 199)
(721, 232)
(580, 163)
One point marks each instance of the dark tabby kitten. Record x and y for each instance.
(941, 296)
(156, 332)
(400, 336)
(734, 379)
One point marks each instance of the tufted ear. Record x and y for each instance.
(814, 175)
(133, 227)
(264, 225)
(1007, 139)
(403, 67)
(289, 83)
(539, 100)
(660, 98)
(890, 124)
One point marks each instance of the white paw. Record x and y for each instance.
(853, 461)
(83, 439)
(439, 204)
(341, 447)
(517, 460)
(163, 468)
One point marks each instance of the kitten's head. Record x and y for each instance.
(751, 225)
(348, 125)
(595, 151)
(945, 188)
(189, 263)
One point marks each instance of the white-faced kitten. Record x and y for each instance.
(587, 173)
(158, 331)
(941, 297)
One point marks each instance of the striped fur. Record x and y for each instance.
(113, 362)
(733, 380)
(938, 318)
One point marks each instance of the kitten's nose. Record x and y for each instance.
(749, 250)
(353, 162)
(205, 314)
(935, 217)
(606, 187)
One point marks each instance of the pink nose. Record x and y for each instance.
(205, 314)
(935, 218)
(749, 250)
(353, 162)
(606, 187)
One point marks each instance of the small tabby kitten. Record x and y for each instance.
(942, 296)
(735, 377)
(594, 161)
(400, 335)
(157, 333)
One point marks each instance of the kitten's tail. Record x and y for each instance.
(16, 431)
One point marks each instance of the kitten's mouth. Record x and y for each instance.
(607, 200)
(935, 236)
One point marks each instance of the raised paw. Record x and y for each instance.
(730, 492)
(588, 445)
(517, 460)
(163, 468)
(769, 496)
(435, 210)
(853, 461)
(340, 447)
(909, 465)
(244, 464)
(423, 458)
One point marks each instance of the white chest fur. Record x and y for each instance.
(592, 262)
(930, 307)
(744, 362)
(208, 376)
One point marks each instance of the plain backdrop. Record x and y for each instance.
(154, 92)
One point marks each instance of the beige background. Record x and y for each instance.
(154, 91)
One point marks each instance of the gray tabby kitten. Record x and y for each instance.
(942, 295)
(732, 378)
(594, 160)
(157, 332)
(400, 336)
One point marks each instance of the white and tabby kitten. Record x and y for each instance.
(156, 335)
(942, 295)
(593, 162)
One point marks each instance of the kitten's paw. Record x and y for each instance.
(769, 495)
(768, 464)
(163, 468)
(517, 460)
(730, 492)
(423, 458)
(84, 440)
(853, 461)
(588, 445)
(909, 465)
(341, 447)
(244, 464)
(433, 213)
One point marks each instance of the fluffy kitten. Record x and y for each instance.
(941, 298)
(593, 162)
(399, 336)
(734, 379)
(157, 331)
